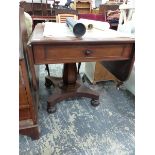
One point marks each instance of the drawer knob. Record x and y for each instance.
(88, 52)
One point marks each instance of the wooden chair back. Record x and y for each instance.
(61, 18)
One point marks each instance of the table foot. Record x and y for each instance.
(118, 85)
(69, 87)
(51, 110)
(63, 93)
(95, 102)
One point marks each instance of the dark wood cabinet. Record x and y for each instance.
(36, 9)
(28, 96)
(27, 104)
(83, 6)
(105, 7)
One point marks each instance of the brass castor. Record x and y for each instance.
(95, 102)
(119, 84)
(51, 110)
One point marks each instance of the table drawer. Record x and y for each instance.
(62, 54)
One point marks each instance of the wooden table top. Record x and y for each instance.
(37, 37)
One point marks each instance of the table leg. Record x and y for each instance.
(68, 87)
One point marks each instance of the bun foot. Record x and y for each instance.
(51, 110)
(95, 102)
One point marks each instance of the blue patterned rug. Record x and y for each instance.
(77, 128)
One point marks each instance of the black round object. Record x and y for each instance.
(79, 29)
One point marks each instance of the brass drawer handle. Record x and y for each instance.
(87, 52)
